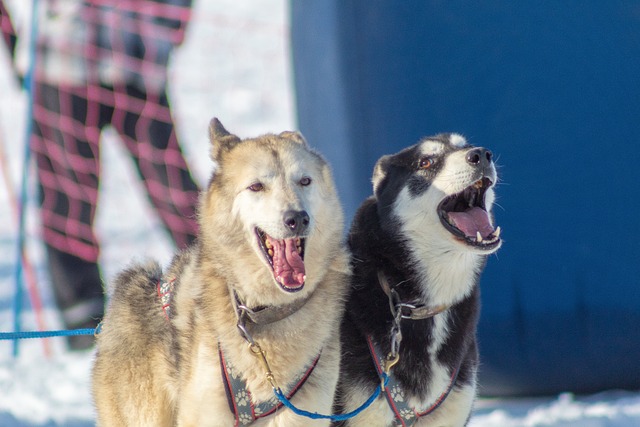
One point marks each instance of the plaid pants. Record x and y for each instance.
(68, 121)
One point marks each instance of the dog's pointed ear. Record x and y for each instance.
(220, 138)
(380, 172)
(294, 136)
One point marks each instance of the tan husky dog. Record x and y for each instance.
(255, 303)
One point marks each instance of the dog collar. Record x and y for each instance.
(408, 310)
(405, 415)
(263, 315)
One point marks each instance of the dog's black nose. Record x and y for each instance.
(479, 157)
(297, 221)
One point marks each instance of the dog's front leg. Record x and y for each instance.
(455, 411)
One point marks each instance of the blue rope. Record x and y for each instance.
(45, 334)
(29, 86)
(335, 417)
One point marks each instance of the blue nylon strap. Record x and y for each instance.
(334, 417)
(45, 334)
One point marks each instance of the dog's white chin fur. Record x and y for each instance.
(450, 264)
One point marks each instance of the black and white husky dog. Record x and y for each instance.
(419, 245)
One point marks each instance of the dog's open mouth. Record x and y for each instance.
(286, 257)
(465, 216)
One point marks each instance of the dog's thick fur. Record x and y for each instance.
(153, 370)
(409, 232)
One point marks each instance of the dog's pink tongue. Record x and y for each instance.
(472, 221)
(288, 267)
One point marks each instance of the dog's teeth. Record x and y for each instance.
(270, 252)
(497, 232)
(478, 237)
(268, 244)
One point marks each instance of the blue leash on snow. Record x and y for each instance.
(335, 417)
(21, 335)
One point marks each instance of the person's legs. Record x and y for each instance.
(65, 144)
(146, 126)
(77, 286)
(7, 30)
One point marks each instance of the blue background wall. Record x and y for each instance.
(553, 89)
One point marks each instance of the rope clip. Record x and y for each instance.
(389, 362)
(261, 355)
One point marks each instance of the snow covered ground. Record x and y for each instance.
(234, 65)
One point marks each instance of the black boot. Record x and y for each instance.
(77, 286)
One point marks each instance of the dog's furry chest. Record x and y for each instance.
(438, 360)
(291, 345)
(430, 349)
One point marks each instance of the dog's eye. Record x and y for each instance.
(426, 162)
(258, 186)
(305, 181)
